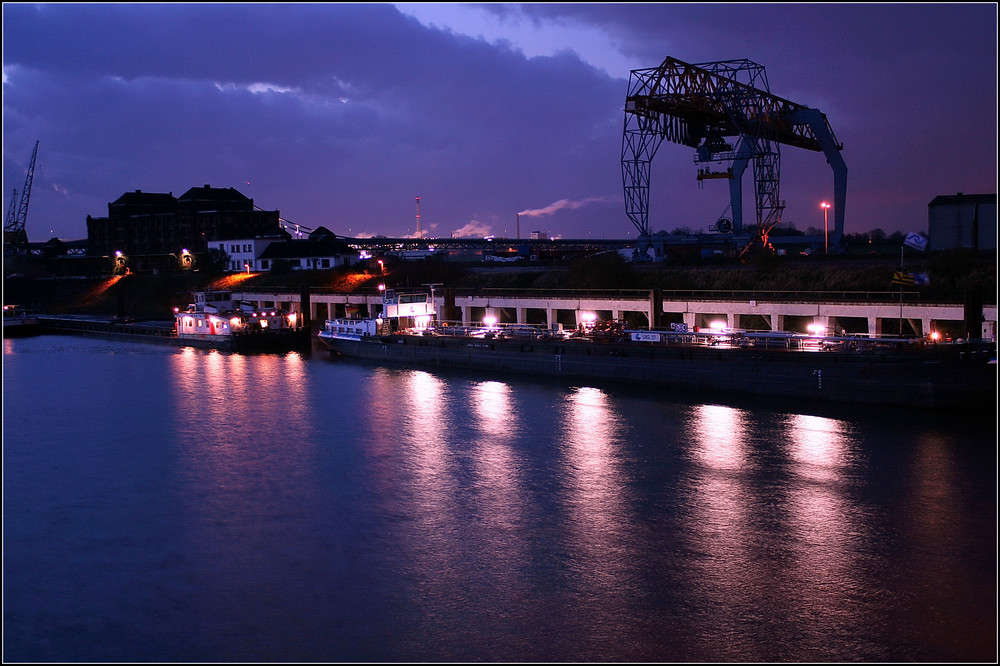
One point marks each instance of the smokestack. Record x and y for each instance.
(418, 216)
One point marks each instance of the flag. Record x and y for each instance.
(923, 279)
(916, 241)
(904, 278)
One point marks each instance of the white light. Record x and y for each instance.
(717, 326)
(816, 329)
(490, 321)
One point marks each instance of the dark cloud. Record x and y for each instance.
(340, 115)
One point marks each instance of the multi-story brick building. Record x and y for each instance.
(150, 228)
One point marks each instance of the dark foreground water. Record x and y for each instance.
(172, 504)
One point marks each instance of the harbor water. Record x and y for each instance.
(175, 504)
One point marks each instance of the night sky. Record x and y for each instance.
(341, 115)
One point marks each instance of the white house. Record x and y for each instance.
(243, 253)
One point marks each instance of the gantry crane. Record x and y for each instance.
(725, 111)
(15, 237)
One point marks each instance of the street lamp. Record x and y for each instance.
(826, 226)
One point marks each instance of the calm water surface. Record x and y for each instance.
(172, 504)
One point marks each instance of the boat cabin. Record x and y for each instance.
(215, 313)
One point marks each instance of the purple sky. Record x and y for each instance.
(341, 115)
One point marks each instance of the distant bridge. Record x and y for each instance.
(561, 246)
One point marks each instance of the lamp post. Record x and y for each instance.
(826, 227)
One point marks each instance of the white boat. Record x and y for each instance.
(350, 328)
(216, 320)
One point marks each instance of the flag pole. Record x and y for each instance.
(901, 250)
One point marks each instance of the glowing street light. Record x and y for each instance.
(826, 226)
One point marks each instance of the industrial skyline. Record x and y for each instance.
(496, 119)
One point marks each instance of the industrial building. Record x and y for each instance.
(962, 221)
(156, 225)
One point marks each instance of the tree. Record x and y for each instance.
(215, 260)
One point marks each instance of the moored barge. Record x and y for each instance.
(886, 371)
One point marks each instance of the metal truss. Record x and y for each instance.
(710, 107)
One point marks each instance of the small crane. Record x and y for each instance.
(15, 238)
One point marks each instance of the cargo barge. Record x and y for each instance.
(872, 371)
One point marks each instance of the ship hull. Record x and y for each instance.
(947, 377)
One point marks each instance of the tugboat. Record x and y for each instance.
(216, 320)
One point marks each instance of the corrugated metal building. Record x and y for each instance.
(966, 221)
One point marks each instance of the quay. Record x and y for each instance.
(872, 314)
(110, 328)
(859, 313)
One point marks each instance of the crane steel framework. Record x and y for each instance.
(15, 236)
(703, 106)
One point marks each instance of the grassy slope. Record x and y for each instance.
(952, 276)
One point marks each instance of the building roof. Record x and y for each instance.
(301, 249)
(321, 232)
(214, 195)
(152, 200)
(962, 199)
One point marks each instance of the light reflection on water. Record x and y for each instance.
(285, 507)
(598, 510)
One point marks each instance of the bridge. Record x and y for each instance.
(844, 312)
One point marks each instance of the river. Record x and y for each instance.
(171, 504)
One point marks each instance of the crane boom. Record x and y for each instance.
(15, 235)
